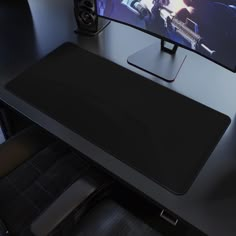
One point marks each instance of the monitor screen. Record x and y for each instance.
(207, 27)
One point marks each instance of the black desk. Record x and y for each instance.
(209, 203)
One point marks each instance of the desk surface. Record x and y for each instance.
(209, 203)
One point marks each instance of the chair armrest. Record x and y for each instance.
(75, 197)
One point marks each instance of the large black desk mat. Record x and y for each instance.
(162, 134)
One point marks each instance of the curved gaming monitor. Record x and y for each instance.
(206, 27)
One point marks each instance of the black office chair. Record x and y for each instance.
(44, 182)
(12, 153)
(35, 170)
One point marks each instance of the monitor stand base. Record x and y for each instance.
(158, 61)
